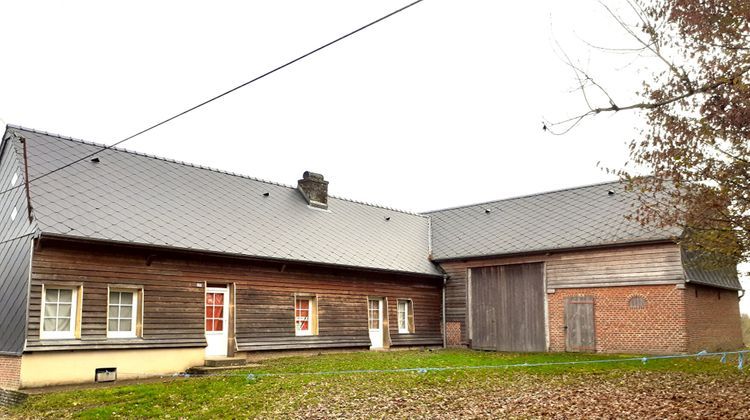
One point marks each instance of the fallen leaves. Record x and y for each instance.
(634, 394)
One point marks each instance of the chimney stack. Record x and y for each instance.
(314, 188)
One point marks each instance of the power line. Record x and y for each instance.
(17, 238)
(193, 108)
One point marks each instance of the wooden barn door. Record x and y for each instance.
(580, 334)
(507, 308)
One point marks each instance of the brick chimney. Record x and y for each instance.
(314, 188)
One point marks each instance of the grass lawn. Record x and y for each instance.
(661, 388)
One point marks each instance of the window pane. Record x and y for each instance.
(218, 311)
(63, 310)
(219, 299)
(126, 298)
(373, 314)
(66, 295)
(209, 325)
(209, 298)
(209, 311)
(51, 295)
(126, 324)
(114, 298)
(126, 311)
(112, 325)
(218, 325)
(49, 324)
(114, 311)
(63, 324)
(303, 304)
(50, 310)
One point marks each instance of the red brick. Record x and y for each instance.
(713, 319)
(10, 372)
(673, 320)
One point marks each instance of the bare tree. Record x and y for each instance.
(696, 107)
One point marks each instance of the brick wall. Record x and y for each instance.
(659, 327)
(713, 319)
(10, 372)
(453, 334)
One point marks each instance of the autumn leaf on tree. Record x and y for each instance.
(695, 144)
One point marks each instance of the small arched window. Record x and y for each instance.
(637, 302)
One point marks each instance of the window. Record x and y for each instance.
(215, 312)
(637, 302)
(122, 313)
(373, 314)
(59, 312)
(405, 316)
(305, 315)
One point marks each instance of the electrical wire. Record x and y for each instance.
(206, 102)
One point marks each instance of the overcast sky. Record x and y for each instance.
(438, 106)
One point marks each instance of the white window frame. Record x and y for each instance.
(407, 303)
(312, 314)
(136, 307)
(60, 335)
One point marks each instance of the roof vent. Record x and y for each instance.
(265, 194)
(314, 188)
(95, 160)
(487, 211)
(611, 192)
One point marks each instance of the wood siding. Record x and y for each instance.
(264, 304)
(618, 266)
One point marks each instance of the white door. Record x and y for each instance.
(217, 328)
(375, 321)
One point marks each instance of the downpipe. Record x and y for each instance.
(445, 281)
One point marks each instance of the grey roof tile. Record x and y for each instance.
(135, 198)
(571, 218)
(708, 272)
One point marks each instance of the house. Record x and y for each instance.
(147, 266)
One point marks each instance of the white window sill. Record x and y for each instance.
(125, 336)
(57, 337)
(303, 334)
(404, 332)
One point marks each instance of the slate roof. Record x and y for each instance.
(571, 218)
(700, 271)
(135, 198)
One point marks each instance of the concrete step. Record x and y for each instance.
(225, 361)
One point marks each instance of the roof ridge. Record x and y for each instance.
(148, 155)
(380, 206)
(193, 165)
(522, 196)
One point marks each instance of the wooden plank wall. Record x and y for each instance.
(617, 266)
(173, 304)
(508, 312)
(456, 295)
